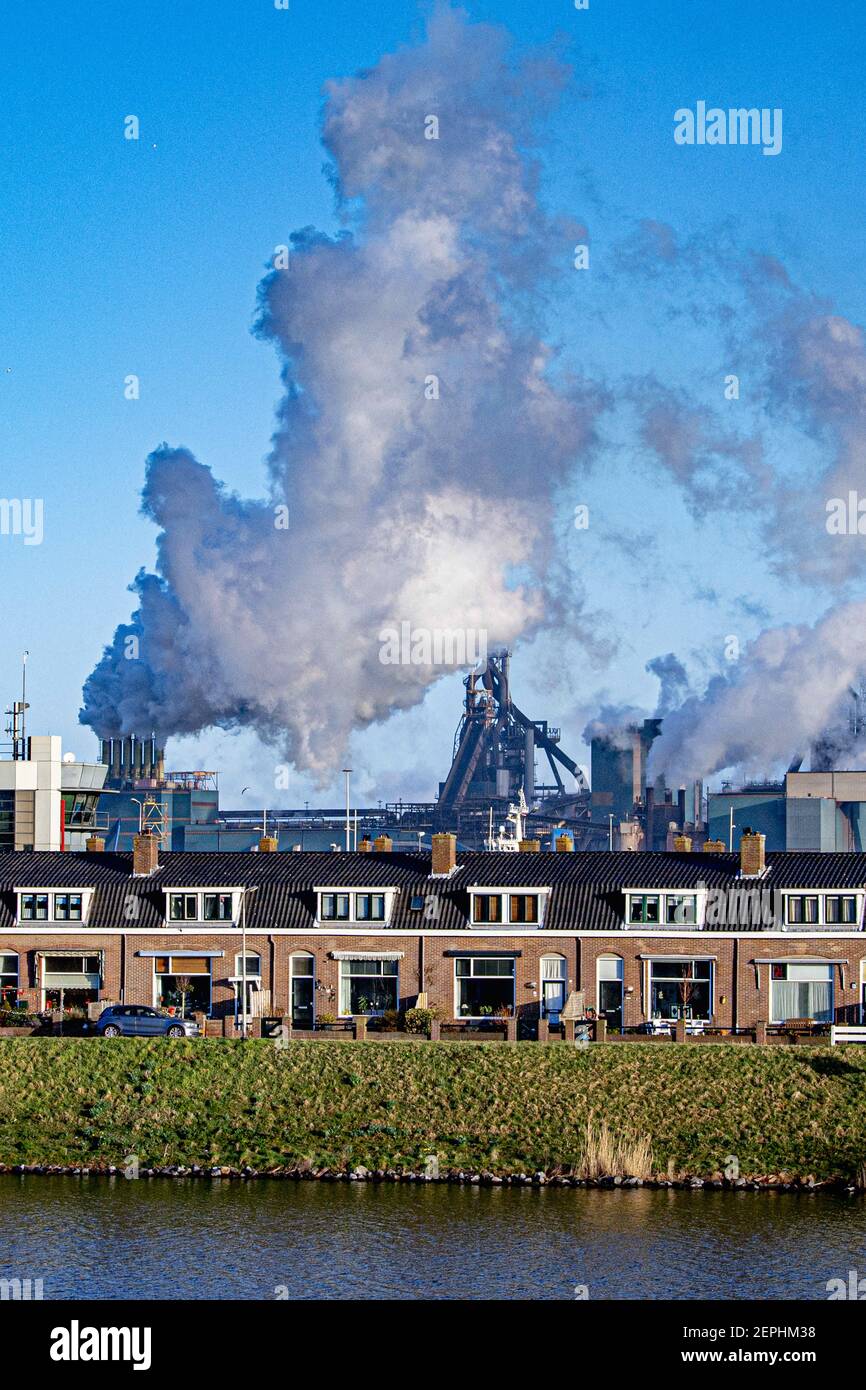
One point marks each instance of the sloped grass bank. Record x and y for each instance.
(691, 1110)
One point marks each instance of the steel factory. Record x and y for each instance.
(510, 783)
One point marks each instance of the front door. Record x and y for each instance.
(302, 1001)
(610, 1003)
(554, 999)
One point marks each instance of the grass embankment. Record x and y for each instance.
(495, 1109)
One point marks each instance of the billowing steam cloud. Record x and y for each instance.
(791, 684)
(790, 688)
(422, 429)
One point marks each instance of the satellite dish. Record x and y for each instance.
(69, 757)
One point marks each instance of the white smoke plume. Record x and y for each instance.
(789, 685)
(806, 366)
(423, 427)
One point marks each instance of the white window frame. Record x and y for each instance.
(698, 894)
(558, 979)
(85, 894)
(822, 896)
(378, 960)
(85, 955)
(305, 956)
(353, 893)
(213, 924)
(830, 977)
(480, 890)
(239, 968)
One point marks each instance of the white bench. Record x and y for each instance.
(847, 1033)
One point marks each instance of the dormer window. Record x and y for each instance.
(840, 909)
(51, 907)
(487, 907)
(803, 909)
(183, 907)
(201, 905)
(217, 907)
(370, 907)
(657, 909)
(335, 907)
(680, 909)
(67, 907)
(34, 907)
(354, 905)
(523, 908)
(508, 908)
(644, 907)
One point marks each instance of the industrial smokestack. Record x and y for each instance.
(105, 750)
(128, 754)
(116, 757)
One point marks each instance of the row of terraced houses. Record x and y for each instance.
(723, 940)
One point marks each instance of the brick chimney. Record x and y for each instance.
(145, 854)
(383, 844)
(683, 844)
(94, 844)
(268, 844)
(444, 858)
(365, 845)
(752, 858)
(530, 846)
(715, 847)
(564, 844)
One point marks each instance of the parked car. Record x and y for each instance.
(137, 1020)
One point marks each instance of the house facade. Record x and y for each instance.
(722, 940)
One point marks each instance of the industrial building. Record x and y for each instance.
(48, 800)
(808, 811)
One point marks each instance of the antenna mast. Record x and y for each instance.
(18, 725)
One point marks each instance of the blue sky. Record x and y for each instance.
(143, 257)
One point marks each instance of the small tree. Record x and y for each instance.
(184, 986)
(686, 989)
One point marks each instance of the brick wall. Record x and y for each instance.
(740, 998)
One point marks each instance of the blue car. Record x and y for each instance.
(137, 1020)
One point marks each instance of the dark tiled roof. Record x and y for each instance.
(586, 888)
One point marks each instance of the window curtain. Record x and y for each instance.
(802, 999)
(552, 968)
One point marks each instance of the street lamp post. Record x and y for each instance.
(348, 772)
(254, 889)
